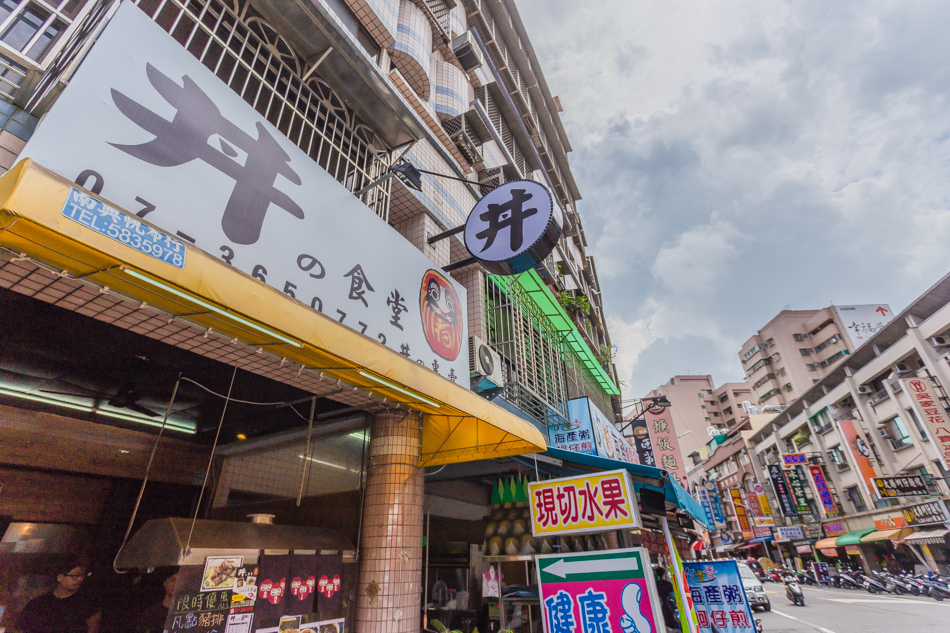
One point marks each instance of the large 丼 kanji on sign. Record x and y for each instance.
(602, 592)
(588, 503)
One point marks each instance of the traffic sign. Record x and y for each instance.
(612, 590)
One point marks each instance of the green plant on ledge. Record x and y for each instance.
(575, 304)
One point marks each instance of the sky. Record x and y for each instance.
(737, 158)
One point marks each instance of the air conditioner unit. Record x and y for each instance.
(467, 51)
(491, 178)
(940, 341)
(484, 365)
(864, 390)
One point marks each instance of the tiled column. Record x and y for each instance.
(390, 584)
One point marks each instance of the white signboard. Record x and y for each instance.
(862, 321)
(149, 128)
(788, 533)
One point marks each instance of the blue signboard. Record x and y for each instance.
(577, 435)
(704, 500)
(715, 503)
(123, 228)
(718, 596)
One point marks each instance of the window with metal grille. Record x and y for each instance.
(29, 29)
(251, 57)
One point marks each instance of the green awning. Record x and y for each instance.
(538, 292)
(852, 538)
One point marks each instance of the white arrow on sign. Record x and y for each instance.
(563, 568)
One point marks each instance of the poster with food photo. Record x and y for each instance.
(220, 572)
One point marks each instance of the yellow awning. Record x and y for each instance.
(458, 425)
(887, 535)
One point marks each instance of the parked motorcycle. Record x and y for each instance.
(872, 584)
(849, 580)
(793, 591)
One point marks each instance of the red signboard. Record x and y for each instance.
(935, 417)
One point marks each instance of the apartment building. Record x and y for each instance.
(863, 423)
(700, 406)
(797, 348)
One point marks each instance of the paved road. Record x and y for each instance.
(844, 611)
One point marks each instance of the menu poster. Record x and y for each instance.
(239, 623)
(329, 584)
(272, 587)
(196, 610)
(245, 589)
(301, 584)
(220, 572)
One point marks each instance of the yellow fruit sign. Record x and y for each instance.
(587, 503)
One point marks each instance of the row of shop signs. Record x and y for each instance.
(615, 590)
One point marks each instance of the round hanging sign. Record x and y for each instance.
(514, 227)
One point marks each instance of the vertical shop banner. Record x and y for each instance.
(820, 482)
(666, 447)
(797, 487)
(860, 454)
(599, 592)
(719, 597)
(272, 587)
(741, 515)
(786, 503)
(707, 507)
(763, 499)
(642, 442)
(329, 582)
(158, 133)
(302, 584)
(758, 517)
(716, 504)
(932, 413)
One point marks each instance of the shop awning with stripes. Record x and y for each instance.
(932, 536)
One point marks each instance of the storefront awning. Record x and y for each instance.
(458, 424)
(852, 538)
(932, 536)
(727, 548)
(887, 535)
(643, 477)
(827, 543)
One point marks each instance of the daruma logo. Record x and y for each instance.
(441, 316)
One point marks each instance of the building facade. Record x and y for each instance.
(297, 405)
(860, 424)
(797, 348)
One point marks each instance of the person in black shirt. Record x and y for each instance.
(664, 589)
(64, 610)
(153, 619)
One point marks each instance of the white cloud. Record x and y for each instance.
(738, 156)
